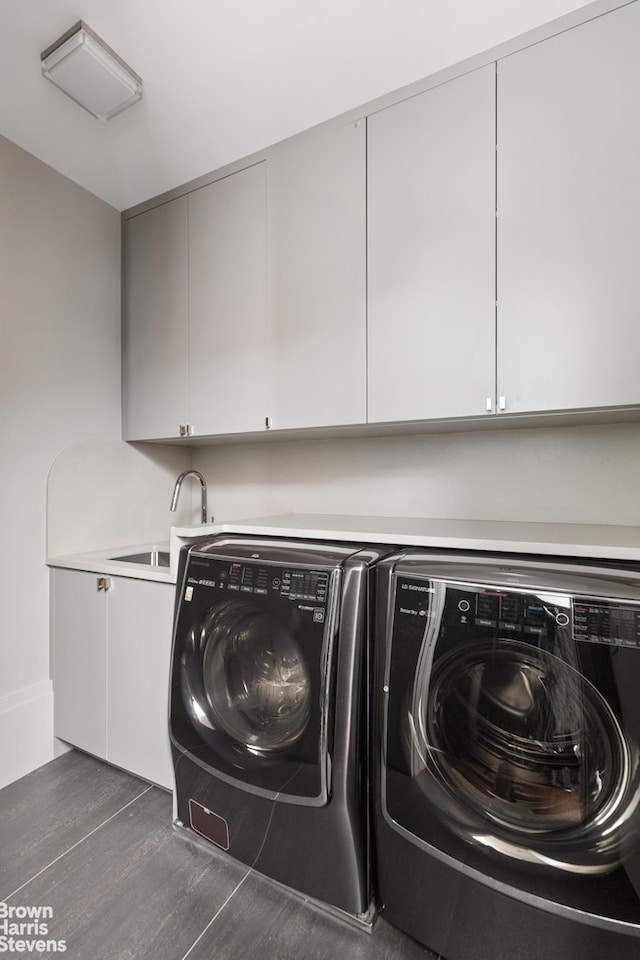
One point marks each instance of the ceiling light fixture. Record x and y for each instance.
(88, 71)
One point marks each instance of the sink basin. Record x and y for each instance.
(152, 558)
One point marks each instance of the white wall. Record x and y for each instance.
(565, 474)
(59, 381)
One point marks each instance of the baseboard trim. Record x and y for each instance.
(26, 731)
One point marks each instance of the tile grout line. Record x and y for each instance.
(76, 844)
(217, 914)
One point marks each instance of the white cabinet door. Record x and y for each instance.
(139, 653)
(111, 662)
(316, 211)
(568, 214)
(431, 263)
(155, 342)
(227, 304)
(79, 635)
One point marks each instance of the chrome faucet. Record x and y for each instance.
(176, 491)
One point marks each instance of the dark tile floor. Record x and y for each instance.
(96, 847)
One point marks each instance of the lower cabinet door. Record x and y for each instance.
(79, 634)
(140, 616)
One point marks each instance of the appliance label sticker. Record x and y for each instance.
(601, 621)
(188, 594)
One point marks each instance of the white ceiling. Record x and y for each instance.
(223, 78)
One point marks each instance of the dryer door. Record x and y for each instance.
(505, 737)
(251, 681)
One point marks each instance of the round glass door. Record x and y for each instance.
(255, 678)
(251, 697)
(523, 742)
(506, 730)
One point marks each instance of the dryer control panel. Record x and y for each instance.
(476, 610)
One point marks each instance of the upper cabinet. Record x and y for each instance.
(156, 331)
(227, 304)
(316, 203)
(195, 312)
(568, 211)
(431, 265)
(466, 251)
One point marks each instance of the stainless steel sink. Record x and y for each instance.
(152, 558)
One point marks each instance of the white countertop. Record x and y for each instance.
(103, 562)
(558, 539)
(597, 541)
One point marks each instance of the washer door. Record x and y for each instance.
(255, 677)
(495, 731)
(251, 694)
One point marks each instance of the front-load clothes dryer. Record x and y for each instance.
(507, 782)
(268, 709)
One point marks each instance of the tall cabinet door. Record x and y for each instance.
(316, 208)
(79, 637)
(227, 304)
(568, 214)
(138, 663)
(431, 242)
(156, 334)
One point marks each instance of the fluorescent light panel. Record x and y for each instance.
(89, 72)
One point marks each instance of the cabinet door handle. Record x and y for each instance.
(103, 583)
(502, 403)
(489, 404)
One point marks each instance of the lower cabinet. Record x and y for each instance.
(79, 637)
(111, 660)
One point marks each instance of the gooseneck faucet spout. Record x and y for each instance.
(176, 491)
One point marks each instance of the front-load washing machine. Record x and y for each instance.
(268, 709)
(507, 781)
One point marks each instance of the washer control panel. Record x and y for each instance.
(260, 579)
